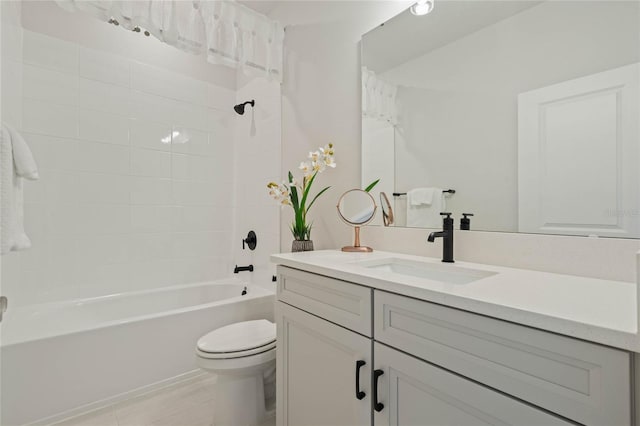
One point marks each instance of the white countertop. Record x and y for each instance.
(591, 309)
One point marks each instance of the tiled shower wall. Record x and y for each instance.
(136, 187)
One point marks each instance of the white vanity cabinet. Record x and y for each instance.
(425, 364)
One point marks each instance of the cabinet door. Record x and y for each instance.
(316, 370)
(414, 392)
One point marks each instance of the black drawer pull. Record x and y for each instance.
(378, 406)
(359, 394)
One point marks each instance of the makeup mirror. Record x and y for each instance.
(356, 208)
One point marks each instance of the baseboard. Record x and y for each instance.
(111, 401)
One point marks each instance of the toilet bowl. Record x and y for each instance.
(243, 358)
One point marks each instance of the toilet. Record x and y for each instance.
(243, 358)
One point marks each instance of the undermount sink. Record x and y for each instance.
(436, 272)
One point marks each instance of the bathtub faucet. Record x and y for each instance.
(242, 268)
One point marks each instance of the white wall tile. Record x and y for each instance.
(168, 84)
(102, 158)
(45, 84)
(146, 247)
(53, 153)
(201, 218)
(152, 135)
(99, 126)
(100, 188)
(147, 162)
(103, 219)
(150, 218)
(50, 52)
(191, 141)
(149, 190)
(196, 168)
(189, 115)
(145, 106)
(220, 98)
(195, 244)
(188, 193)
(105, 97)
(97, 249)
(49, 119)
(11, 99)
(105, 67)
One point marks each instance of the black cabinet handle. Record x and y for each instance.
(378, 406)
(359, 394)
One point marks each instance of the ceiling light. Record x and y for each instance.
(422, 7)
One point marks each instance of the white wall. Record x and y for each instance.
(458, 122)
(321, 100)
(116, 208)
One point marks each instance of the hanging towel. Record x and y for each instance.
(16, 164)
(423, 211)
(421, 196)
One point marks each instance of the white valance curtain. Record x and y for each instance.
(225, 31)
(378, 98)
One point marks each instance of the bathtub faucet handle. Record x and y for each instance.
(251, 241)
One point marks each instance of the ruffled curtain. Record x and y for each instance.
(378, 98)
(225, 31)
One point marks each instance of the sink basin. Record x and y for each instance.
(431, 271)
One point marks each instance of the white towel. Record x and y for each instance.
(421, 196)
(426, 215)
(16, 164)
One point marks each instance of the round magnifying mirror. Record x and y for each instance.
(357, 208)
(387, 211)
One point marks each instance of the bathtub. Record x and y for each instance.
(61, 359)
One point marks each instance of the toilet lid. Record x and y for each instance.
(239, 337)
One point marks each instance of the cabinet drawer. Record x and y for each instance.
(340, 302)
(585, 382)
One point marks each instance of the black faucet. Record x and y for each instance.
(447, 238)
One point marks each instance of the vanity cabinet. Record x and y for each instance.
(420, 363)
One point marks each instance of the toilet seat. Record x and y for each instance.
(238, 340)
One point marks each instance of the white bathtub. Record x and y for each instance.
(60, 359)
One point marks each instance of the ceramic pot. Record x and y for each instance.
(301, 245)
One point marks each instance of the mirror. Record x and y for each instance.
(524, 111)
(387, 210)
(356, 208)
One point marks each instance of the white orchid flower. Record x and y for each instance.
(307, 168)
(318, 166)
(327, 150)
(329, 162)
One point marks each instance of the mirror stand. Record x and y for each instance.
(356, 247)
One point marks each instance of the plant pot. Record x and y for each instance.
(301, 245)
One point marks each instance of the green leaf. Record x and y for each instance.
(371, 185)
(307, 188)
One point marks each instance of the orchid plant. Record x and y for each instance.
(296, 194)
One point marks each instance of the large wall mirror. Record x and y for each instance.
(527, 111)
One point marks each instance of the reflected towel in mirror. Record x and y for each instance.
(423, 215)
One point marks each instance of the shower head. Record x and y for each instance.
(240, 107)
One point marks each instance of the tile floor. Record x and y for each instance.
(188, 403)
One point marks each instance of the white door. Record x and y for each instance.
(578, 156)
(317, 364)
(415, 393)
